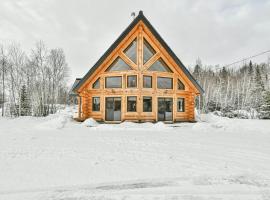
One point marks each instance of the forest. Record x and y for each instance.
(35, 83)
(238, 91)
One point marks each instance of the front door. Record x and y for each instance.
(165, 107)
(113, 109)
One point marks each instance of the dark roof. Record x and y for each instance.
(123, 35)
(72, 92)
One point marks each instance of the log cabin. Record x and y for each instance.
(139, 78)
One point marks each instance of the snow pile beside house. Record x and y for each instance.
(90, 122)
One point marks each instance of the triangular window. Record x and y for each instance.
(148, 51)
(131, 51)
(159, 66)
(96, 84)
(180, 85)
(118, 65)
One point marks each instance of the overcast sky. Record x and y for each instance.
(217, 31)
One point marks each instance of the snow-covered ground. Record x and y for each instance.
(57, 158)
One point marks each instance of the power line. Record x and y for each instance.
(259, 54)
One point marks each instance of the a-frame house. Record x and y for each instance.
(138, 78)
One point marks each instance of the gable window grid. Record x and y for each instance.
(113, 82)
(96, 84)
(164, 83)
(131, 104)
(118, 65)
(96, 104)
(131, 51)
(180, 85)
(180, 104)
(139, 18)
(131, 81)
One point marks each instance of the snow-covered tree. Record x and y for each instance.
(265, 107)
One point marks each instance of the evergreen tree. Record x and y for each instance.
(265, 108)
(250, 69)
(24, 101)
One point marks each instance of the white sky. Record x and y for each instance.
(217, 31)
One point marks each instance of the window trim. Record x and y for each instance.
(113, 87)
(184, 104)
(93, 103)
(165, 77)
(136, 104)
(151, 104)
(151, 82)
(136, 81)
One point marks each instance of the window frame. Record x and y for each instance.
(151, 81)
(95, 97)
(127, 86)
(136, 107)
(151, 104)
(183, 104)
(106, 86)
(164, 78)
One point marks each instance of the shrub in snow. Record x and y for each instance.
(90, 122)
(264, 112)
(213, 106)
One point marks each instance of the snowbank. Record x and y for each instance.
(90, 122)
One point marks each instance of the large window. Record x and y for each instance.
(159, 66)
(180, 105)
(132, 81)
(131, 104)
(118, 65)
(148, 51)
(96, 84)
(96, 104)
(113, 82)
(164, 83)
(147, 104)
(131, 51)
(147, 81)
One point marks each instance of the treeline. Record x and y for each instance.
(235, 92)
(33, 84)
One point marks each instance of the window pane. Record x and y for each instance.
(131, 51)
(131, 104)
(147, 81)
(164, 83)
(118, 65)
(181, 86)
(159, 66)
(147, 104)
(132, 81)
(96, 104)
(113, 82)
(148, 51)
(96, 84)
(180, 105)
